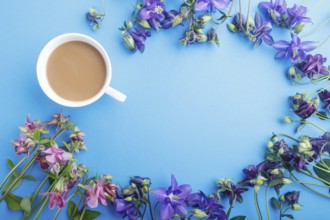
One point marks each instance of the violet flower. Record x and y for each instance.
(262, 30)
(295, 50)
(312, 65)
(56, 199)
(211, 5)
(297, 16)
(94, 194)
(172, 199)
(304, 109)
(207, 207)
(325, 98)
(23, 144)
(134, 40)
(231, 190)
(321, 144)
(126, 209)
(57, 155)
(172, 18)
(255, 174)
(153, 11)
(276, 10)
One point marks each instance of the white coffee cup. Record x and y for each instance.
(42, 73)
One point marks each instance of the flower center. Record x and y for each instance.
(159, 9)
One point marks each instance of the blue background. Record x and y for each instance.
(198, 112)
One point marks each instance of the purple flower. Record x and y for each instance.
(208, 206)
(134, 40)
(261, 31)
(211, 5)
(56, 199)
(304, 109)
(94, 194)
(312, 65)
(58, 119)
(170, 19)
(292, 197)
(239, 23)
(255, 174)
(172, 199)
(231, 190)
(321, 144)
(294, 50)
(126, 209)
(276, 10)
(94, 19)
(325, 98)
(57, 155)
(297, 16)
(23, 144)
(153, 11)
(282, 149)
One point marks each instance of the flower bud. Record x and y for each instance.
(177, 20)
(128, 191)
(129, 41)
(282, 198)
(129, 199)
(199, 213)
(231, 27)
(286, 181)
(107, 177)
(292, 72)
(296, 207)
(270, 145)
(129, 25)
(281, 151)
(287, 120)
(275, 171)
(144, 24)
(299, 28)
(183, 42)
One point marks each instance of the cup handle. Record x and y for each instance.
(115, 94)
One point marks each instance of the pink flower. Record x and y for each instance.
(22, 145)
(56, 199)
(95, 193)
(57, 155)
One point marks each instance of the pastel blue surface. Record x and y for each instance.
(199, 112)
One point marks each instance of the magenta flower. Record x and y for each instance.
(56, 199)
(57, 155)
(95, 193)
(211, 5)
(173, 199)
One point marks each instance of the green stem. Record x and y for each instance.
(83, 213)
(257, 205)
(316, 28)
(230, 208)
(150, 208)
(78, 204)
(247, 17)
(30, 163)
(288, 136)
(316, 6)
(155, 210)
(12, 171)
(38, 189)
(313, 124)
(41, 209)
(314, 177)
(267, 202)
(326, 39)
(227, 16)
(313, 190)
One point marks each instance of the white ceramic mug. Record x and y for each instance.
(42, 73)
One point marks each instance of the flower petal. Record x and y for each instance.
(160, 194)
(166, 211)
(281, 44)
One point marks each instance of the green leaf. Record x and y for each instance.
(30, 178)
(71, 207)
(9, 182)
(26, 204)
(13, 202)
(240, 217)
(36, 134)
(11, 166)
(90, 215)
(275, 203)
(324, 164)
(287, 216)
(44, 141)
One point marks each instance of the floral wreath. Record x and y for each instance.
(287, 158)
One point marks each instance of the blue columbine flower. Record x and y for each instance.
(296, 16)
(261, 31)
(325, 98)
(206, 207)
(153, 11)
(211, 5)
(277, 11)
(134, 39)
(321, 144)
(172, 19)
(295, 50)
(126, 209)
(303, 108)
(172, 199)
(312, 65)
